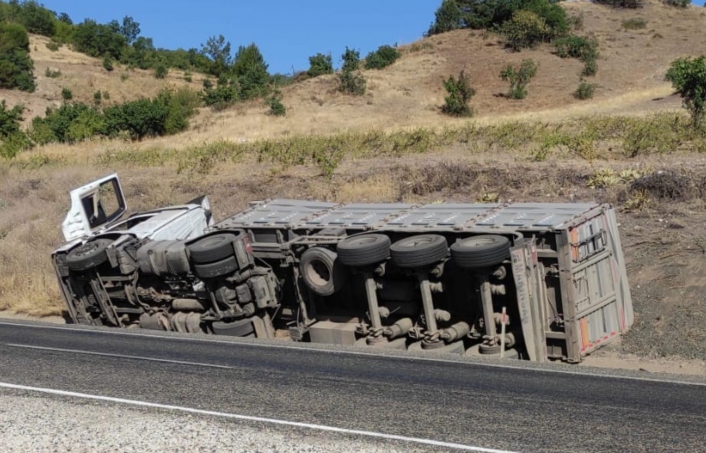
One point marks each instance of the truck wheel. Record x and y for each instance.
(321, 271)
(363, 250)
(88, 255)
(419, 250)
(239, 328)
(480, 251)
(217, 269)
(212, 248)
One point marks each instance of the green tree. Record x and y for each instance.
(525, 29)
(448, 17)
(96, 40)
(15, 65)
(10, 119)
(130, 29)
(320, 64)
(36, 18)
(218, 50)
(519, 78)
(250, 70)
(351, 60)
(460, 93)
(688, 77)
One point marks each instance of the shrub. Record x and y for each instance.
(276, 106)
(590, 68)
(52, 74)
(677, 3)
(635, 23)
(351, 82)
(97, 40)
(220, 97)
(10, 119)
(207, 84)
(383, 57)
(107, 63)
(53, 46)
(582, 48)
(525, 29)
(460, 93)
(584, 91)
(124, 76)
(66, 94)
(351, 60)
(15, 65)
(187, 77)
(519, 78)
(688, 77)
(161, 71)
(320, 64)
(97, 97)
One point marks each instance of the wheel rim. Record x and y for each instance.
(318, 273)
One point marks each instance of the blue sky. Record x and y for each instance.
(287, 32)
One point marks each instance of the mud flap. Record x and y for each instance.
(525, 271)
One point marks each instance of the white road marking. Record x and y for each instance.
(273, 421)
(119, 356)
(187, 338)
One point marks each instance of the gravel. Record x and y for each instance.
(55, 424)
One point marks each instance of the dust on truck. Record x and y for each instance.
(533, 281)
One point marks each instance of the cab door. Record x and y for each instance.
(94, 207)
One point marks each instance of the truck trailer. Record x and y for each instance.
(529, 281)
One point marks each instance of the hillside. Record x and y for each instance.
(549, 147)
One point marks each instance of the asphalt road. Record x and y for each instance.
(523, 409)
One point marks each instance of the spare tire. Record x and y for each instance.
(239, 328)
(419, 250)
(217, 269)
(482, 251)
(89, 255)
(321, 271)
(215, 247)
(363, 250)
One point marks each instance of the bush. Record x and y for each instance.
(688, 77)
(525, 29)
(97, 40)
(9, 120)
(677, 3)
(582, 48)
(66, 94)
(634, 24)
(97, 98)
(220, 97)
(351, 60)
(15, 65)
(460, 93)
(350, 82)
(381, 58)
(107, 63)
(53, 46)
(584, 91)
(320, 64)
(187, 77)
(276, 106)
(52, 74)
(161, 71)
(519, 78)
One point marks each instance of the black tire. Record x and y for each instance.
(239, 328)
(216, 247)
(363, 250)
(419, 250)
(479, 252)
(89, 255)
(217, 269)
(321, 271)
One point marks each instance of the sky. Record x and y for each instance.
(287, 32)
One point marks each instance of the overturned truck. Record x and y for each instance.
(534, 281)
